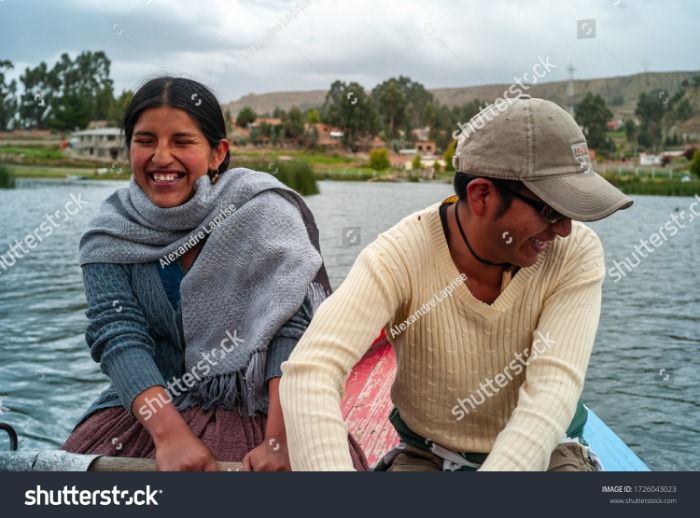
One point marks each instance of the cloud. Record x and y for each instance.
(239, 46)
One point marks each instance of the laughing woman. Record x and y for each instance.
(199, 282)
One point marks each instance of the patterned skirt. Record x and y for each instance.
(228, 434)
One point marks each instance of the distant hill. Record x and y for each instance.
(620, 93)
(266, 103)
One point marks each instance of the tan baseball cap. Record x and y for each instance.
(536, 142)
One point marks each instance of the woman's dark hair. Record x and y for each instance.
(187, 95)
(504, 188)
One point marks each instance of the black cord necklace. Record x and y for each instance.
(466, 241)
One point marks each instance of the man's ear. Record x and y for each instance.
(479, 194)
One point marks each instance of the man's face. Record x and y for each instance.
(521, 234)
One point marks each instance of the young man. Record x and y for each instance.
(491, 300)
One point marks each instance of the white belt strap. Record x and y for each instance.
(451, 461)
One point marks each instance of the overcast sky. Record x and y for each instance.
(237, 47)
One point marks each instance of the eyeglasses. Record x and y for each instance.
(544, 210)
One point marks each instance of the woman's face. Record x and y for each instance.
(168, 152)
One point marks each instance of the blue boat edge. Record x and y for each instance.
(614, 454)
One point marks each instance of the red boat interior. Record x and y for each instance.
(367, 402)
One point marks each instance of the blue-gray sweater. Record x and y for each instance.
(141, 344)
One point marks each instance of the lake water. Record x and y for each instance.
(643, 379)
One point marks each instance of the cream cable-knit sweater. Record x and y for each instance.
(461, 379)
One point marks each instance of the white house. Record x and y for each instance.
(99, 144)
(649, 159)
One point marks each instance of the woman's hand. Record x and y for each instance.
(271, 455)
(177, 448)
(183, 451)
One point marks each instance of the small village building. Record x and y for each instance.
(99, 144)
(270, 121)
(426, 148)
(649, 159)
(329, 137)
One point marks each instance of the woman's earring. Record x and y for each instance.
(213, 175)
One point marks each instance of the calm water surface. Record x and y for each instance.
(643, 380)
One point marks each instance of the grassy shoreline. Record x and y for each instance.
(655, 188)
(301, 169)
(62, 173)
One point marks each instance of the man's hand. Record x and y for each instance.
(271, 455)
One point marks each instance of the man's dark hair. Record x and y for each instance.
(504, 188)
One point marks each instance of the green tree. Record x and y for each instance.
(694, 166)
(245, 117)
(8, 98)
(255, 135)
(70, 112)
(312, 116)
(311, 137)
(403, 104)
(104, 101)
(417, 163)
(649, 136)
(684, 110)
(651, 110)
(348, 107)
(421, 103)
(444, 123)
(38, 90)
(392, 106)
(447, 121)
(449, 153)
(7, 180)
(84, 90)
(294, 124)
(677, 109)
(469, 109)
(266, 129)
(228, 120)
(276, 133)
(379, 159)
(593, 115)
(118, 108)
(631, 131)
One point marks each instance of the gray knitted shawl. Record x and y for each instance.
(260, 260)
